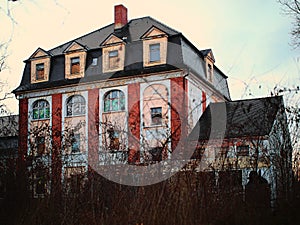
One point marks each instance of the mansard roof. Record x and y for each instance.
(182, 54)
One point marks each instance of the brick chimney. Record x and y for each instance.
(120, 16)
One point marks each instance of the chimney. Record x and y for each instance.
(120, 16)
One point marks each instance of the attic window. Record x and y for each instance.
(209, 72)
(40, 71)
(154, 52)
(113, 59)
(94, 61)
(75, 65)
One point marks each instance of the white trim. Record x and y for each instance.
(80, 87)
(143, 86)
(73, 163)
(102, 92)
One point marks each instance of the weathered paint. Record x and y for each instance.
(56, 142)
(204, 102)
(179, 108)
(134, 122)
(93, 126)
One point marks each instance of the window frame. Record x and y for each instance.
(94, 61)
(38, 70)
(75, 143)
(113, 57)
(154, 54)
(243, 150)
(75, 65)
(45, 110)
(41, 145)
(154, 115)
(72, 105)
(109, 97)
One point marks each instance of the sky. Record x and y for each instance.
(250, 40)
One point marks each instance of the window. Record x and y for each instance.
(114, 101)
(75, 65)
(156, 154)
(243, 150)
(40, 145)
(41, 110)
(156, 116)
(40, 182)
(75, 105)
(113, 136)
(154, 52)
(209, 72)
(94, 61)
(40, 71)
(75, 143)
(113, 59)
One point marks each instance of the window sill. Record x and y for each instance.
(154, 126)
(43, 119)
(114, 111)
(81, 115)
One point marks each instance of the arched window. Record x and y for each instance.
(114, 101)
(41, 110)
(75, 105)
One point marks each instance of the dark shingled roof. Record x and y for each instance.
(235, 119)
(134, 29)
(182, 54)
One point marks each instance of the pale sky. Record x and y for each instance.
(250, 39)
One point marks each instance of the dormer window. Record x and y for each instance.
(209, 64)
(209, 72)
(154, 52)
(75, 65)
(40, 71)
(40, 66)
(75, 57)
(113, 54)
(155, 43)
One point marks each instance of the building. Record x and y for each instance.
(251, 136)
(8, 151)
(126, 93)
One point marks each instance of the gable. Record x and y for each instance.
(39, 53)
(210, 55)
(153, 32)
(112, 39)
(74, 46)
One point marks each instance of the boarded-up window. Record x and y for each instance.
(113, 59)
(40, 71)
(155, 52)
(75, 65)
